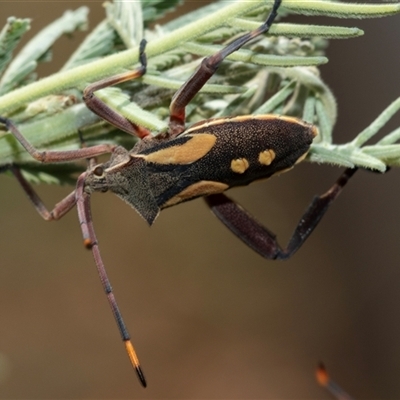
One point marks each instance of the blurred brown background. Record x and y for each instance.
(208, 316)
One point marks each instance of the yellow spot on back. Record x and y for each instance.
(202, 188)
(239, 165)
(266, 157)
(194, 149)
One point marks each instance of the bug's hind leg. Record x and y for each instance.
(258, 237)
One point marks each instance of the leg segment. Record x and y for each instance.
(105, 112)
(206, 70)
(59, 210)
(90, 242)
(56, 156)
(259, 238)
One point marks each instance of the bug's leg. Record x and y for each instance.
(59, 210)
(259, 238)
(324, 380)
(108, 114)
(206, 70)
(90, 242)
(53, 156)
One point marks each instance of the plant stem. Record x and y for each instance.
(91, 72)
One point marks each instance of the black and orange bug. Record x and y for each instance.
(182, 164)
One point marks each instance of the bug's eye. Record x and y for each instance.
(98, 171)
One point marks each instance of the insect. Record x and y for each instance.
(182, 164)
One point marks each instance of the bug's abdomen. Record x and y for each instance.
(251, 148)
(215, 155)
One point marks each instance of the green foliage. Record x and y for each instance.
(20, 69)
(274, 74)
(155, 9)
(10, 36)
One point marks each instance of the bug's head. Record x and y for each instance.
(108, 175)
(96, 179)
(126, 176)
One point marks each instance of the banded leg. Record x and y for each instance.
(90, 242)
(82, 200)
(259, 238)
(206, 70)
(108, 114)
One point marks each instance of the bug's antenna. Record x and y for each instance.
(242, 40)
(92, 161)
(324, 380)
(206, 70)
(90, 242)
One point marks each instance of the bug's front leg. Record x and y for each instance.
(90, 241)
(258, 237)
(59, 210)
(51, 156)
(54, 156)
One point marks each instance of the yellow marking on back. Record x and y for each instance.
(194, 149)
(202, 188)
(239, 165)
(266, 157)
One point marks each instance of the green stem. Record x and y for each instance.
(340, 9)
(107, 66)
(91, 72)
